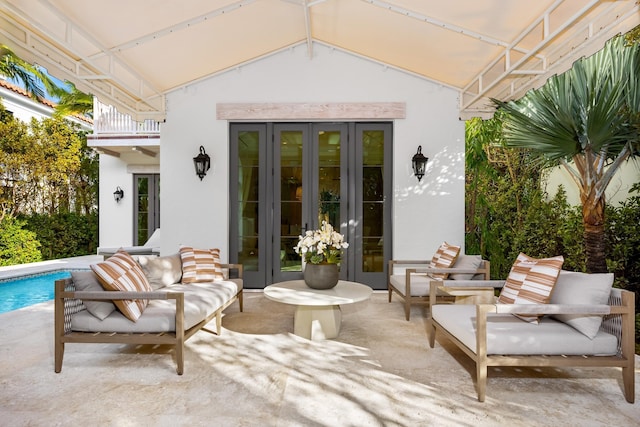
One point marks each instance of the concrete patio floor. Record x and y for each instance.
(380, 371)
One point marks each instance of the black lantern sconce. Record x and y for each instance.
(118, 194)
(419, 162)
(202, 163)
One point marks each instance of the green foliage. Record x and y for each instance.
(633, 36)
(638, 333)
(72, 101)
(17, 245)
(15, 143)
(46, 167)
(50, 182)
(623, 242)
(512, 214)
(65, 235)
(507, 211)
(586, 119)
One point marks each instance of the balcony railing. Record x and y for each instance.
(108, 120)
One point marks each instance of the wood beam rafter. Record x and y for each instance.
(144, 151)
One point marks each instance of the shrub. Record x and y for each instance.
(17, 245)
(65, 235)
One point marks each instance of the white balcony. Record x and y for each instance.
(117, 134)
(108, 120)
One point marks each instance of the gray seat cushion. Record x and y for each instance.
(508, 335)
(201, 300)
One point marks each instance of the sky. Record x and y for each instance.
(57, 81)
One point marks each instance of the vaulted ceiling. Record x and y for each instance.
(132, 53)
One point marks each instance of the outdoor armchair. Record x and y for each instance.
(570, 332)
(413, 284)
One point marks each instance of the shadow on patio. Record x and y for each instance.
(380, 371)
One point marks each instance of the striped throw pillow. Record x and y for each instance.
(200, 265)
(538, 284)
(122, 273)
(444, 257)
(519, 270)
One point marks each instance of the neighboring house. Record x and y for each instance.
(17, 101)
(130, 161)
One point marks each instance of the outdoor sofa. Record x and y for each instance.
(587, 323)
(175, 311)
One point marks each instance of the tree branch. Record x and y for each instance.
(603, 182)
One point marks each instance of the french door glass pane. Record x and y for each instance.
(329, 178)
(373, 201)
(248, 169)
(143, 210)
(291, 182)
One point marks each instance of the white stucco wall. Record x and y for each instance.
(617, 191)
(195, 212)
(116, 219)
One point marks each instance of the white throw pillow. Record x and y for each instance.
(161, 270)
(467, 262)
(88, 281)
(574, 287)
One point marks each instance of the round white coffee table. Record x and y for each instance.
(318, 315)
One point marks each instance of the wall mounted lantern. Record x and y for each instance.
(202, 163)
(118, 194)
(419, 162)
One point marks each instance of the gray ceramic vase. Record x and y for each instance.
(321, 276)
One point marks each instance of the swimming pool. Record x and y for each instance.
(28, 290)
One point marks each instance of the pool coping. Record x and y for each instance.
(75, 263)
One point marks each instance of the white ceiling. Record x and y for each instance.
(131, 53)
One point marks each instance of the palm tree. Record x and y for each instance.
(586, 120)
(13, 67)
(72, 101)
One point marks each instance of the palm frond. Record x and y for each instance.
(14, 67)
(584, 109)
(73, 101)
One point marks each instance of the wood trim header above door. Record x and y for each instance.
(311, 111)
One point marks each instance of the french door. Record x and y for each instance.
(146, 209)
(287, 178)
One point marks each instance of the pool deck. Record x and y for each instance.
(76, 263)
(380, 371)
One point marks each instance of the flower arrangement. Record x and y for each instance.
(323, 246)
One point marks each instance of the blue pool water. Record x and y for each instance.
(28, 290)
